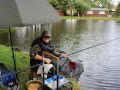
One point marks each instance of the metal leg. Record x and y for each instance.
(43, 72)
(13, 55)
(43, 77)
(57, 75)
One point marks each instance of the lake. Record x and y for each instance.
(101, 64)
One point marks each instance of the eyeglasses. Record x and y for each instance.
(46, 37)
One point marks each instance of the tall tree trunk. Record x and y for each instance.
(71, 11)
(78, 13)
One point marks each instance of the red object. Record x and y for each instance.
(72, 65)
(61, 12)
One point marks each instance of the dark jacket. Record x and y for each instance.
(37, 47)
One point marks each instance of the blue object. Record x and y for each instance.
(49, 80)
(7, 77)
(59, 77)
(53, 82)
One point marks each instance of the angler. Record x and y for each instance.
(39, 45)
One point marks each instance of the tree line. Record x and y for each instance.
(82, 6)
(117, 12)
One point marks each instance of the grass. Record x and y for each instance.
(22, 62)
(6, 30)
(89, 18)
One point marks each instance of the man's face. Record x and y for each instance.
(46, 39)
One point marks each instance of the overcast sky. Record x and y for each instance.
(116, 1)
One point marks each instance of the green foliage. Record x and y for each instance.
(117, 12)
(81, 6)
(99, 3)
(71, 3)
(59, 4)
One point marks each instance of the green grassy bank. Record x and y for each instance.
(22, 62)
(6, 30)
(22, 59)
(89, 18)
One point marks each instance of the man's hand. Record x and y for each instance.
(47, 60)
(64, 55)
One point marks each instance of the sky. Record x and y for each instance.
(116, 1)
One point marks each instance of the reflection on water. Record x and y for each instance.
(102, 64)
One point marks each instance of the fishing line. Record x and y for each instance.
(93, 46)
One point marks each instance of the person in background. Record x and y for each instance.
(39, 45)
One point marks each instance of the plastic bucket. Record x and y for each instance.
(34, 85)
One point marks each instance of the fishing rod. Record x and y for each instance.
(69, 54)
(93, 46)
(87, 49)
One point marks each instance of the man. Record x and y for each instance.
(39, 45)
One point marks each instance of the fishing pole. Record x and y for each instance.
(87, 49)
(70, 54)
(93, 46)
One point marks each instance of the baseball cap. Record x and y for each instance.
(46, 34)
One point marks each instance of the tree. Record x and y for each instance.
(71, 5)
(81, 6)
(104, 3)
(59, 4)
(99, 3)
(117, 12)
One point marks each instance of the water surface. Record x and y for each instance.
(101, 64)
